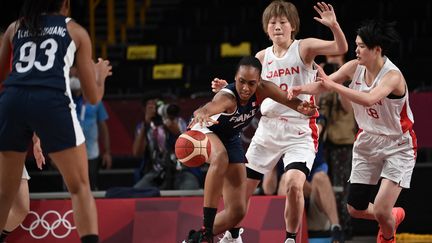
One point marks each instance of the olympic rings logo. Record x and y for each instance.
(49, 227)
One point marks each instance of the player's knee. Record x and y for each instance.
(320, 179)
(381, 212)
(78, 186)
(218, 167)
(294, 189)
(353, 212)
(358, 198)
(219, 156)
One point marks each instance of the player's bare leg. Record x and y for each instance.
(11, 168)
(234, 196)
(72, 164)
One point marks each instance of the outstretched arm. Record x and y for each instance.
(267, 89)
(343, 74)
(222, 102)
(388, 84)
(311, 88)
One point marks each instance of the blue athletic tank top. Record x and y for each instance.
(232, 124)
(44, 60)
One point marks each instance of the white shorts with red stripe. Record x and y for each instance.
(376, 156)
(294, 139)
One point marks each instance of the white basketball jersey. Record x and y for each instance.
(285, 72)
(390, 117)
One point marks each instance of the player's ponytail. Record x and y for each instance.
(32, 10)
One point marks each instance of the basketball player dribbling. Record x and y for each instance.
(44, 44)
(222, 119)
(386, 145)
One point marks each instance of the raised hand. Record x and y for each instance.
(217, 84)
(327, 14)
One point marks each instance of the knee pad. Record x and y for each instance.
(301, 166)
(359, 195)
(252, 174)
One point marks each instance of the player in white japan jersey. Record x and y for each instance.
(386, 146)
(390, 116)
(280, 128)
(286, 71)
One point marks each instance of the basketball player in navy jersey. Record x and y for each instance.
(21, 204)
(36, 98)
(223, 119)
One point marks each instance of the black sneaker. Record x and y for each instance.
(202, 235)
(337, 234)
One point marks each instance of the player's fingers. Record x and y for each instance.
(212, 121)
(324, 6)
(317, 9)
(191, 123)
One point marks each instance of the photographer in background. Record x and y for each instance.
(154, 142)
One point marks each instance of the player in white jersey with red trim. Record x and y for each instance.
(281, 132)
(386, 145)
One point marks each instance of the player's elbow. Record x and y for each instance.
(341, 48)
(367, 103)
(344, 48)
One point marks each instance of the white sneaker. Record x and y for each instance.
(289, 241)
(227, 237)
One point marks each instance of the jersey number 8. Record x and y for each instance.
(27, 58)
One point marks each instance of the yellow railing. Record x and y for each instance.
(111, 23)
(92, 8)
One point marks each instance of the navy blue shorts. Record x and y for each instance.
(235, 150)
(49, 113)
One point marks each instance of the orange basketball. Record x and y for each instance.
(192, 148)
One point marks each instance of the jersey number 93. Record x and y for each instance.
(27, 56)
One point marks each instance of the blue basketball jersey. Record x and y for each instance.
(231, 125)
(44, 60)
